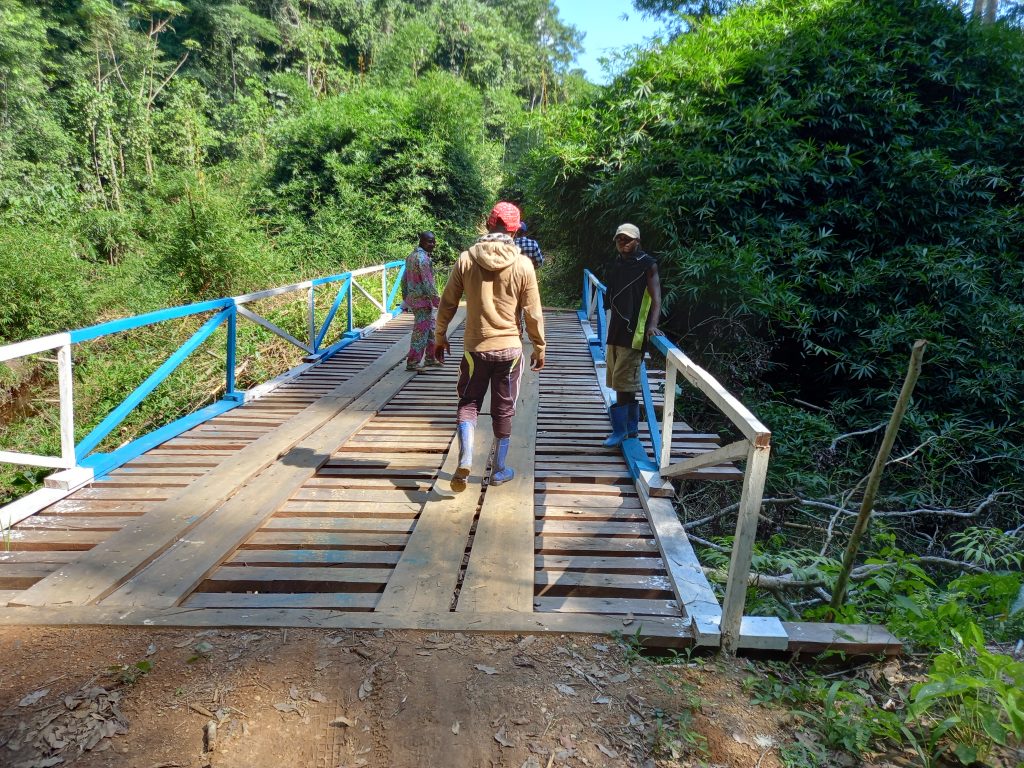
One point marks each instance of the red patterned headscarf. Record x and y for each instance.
(507, 214)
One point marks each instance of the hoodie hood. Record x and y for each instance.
(494, 252)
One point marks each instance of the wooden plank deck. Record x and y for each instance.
(327, 503)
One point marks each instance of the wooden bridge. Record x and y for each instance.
(322, 500)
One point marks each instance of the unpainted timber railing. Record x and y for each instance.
(78, 460)
(754, 447)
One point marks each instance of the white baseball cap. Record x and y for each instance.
(629, 230)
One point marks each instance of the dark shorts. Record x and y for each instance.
(500, 371)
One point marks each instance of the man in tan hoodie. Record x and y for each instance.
(498, 282)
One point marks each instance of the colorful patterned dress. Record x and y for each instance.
(419, 296)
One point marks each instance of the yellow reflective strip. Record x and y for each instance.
(641, 322)
(469, 359)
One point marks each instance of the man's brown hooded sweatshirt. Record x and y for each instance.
(497, 281)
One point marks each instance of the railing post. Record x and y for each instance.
(229, 384)
(312, 318)
(384, 289)
(400, 275)
(67, 405)
(668, 414)
(350, 292)
(743, 546)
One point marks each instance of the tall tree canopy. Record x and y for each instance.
(825, 181)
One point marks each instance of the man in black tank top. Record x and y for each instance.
(634, 303)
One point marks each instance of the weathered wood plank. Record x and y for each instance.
(548, 527)
(662, 631)
(126, 552)
(363, 496)
(691, 585)
(599, 564)
(256, 557)
(368, 524)
(75, 522)
(24, 575)
(347, 509)
(500, 569)
(850, 639)
(426, 577)
(590, 545)
(609, 605)
(18, 539)
(590, 489)
(584, 502)
(176, 572)
(268, 576)
(361, 601)
(583, 513)
(553, 582)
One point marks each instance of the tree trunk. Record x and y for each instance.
(875, 478)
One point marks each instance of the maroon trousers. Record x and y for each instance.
(501, 371)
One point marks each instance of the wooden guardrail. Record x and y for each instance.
(754, 448)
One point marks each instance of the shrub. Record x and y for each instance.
(376, 165)
(43, 283)
(211, 244)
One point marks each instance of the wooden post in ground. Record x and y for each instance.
(743, 547)
(875, 478)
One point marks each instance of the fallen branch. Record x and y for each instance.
(835, 442)
(843, 512)
(776, 582)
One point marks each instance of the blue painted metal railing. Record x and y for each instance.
(594, 293)
(227, 310)
(753, 448)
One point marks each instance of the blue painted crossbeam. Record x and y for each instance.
(116, 416)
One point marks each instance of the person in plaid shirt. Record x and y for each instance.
(529, 247)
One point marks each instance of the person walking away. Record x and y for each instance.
(496, 280)
(419, 296)
(634, 302)
(529, 247)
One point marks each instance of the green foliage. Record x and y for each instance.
(43, 283)
(209, 244)
(146, 155)
(109, 235)
(988, 547)
(836, 179)
(977, 693)
(356, 174)
(129, 674)
(675, 735)
(845, 720)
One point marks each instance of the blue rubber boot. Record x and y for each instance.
(619, 415)
(633, 420)
(466, 430)
(500, 473)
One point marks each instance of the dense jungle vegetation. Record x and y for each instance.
(823, 182)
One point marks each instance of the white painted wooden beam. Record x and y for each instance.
(731, 452)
